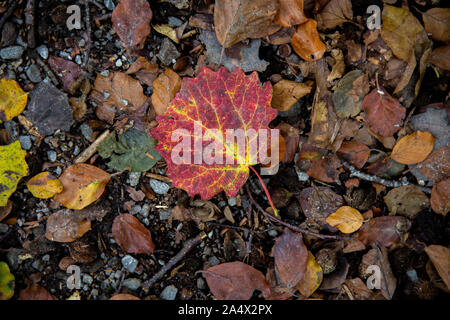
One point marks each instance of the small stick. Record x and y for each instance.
(88, 33)
(47, 70)
(89, 152)
(188, 246)
(30, 11)
(287, 225)
(158, 177)
(12, 6)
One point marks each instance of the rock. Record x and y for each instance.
(38, 265)
(200, 283)
(25, 142)
(34, 74)
(168, 53)
(213, 261)
(232, 201)
(174, 22)
(11, 53)
(159, 187)
(3, 228)
(164, 215)
(273, 233)
(109, 4)
(86, 131)
(169, 293)
(129, 263)
(51, 156)
(46, 258)
(133, 178)
(87, 279)
(42, 51)
(132, 283)
(13, 257)
(145, 210)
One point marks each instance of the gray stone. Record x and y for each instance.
(174, 22)
(132, 283)
(38, 265)
(11, 53)
(164, 215)
(34, 74)
(168, 52)
(133, 178)
(213, 261)
(13, 258)
(129, 263)
(169, 293)
(200, 283)
(87, 279)
(273, 233)
(109, 4)
(232, 201)
(46, 258)
(43, 51)
(25, 142)
(51, 156)
(159, 187)
(145, 210)
(3, 228)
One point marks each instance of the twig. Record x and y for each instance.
(188, 246)
(89, 152)
(388, 183)
(30, 24)
(158, 177)
(287, 225)
(88, 33)
(12, 6)
(47, 70)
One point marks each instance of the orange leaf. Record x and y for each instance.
(354, 152)
(346, 219)
(413, 148)
(131, 235)
(44, 185)
(290, 13)
(164, 89)
(306, 41)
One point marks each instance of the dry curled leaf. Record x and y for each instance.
(44, 185)
(346, 219)
(66, 226)
(440, 197)
(68, 72)
(413, 148)
(165, 88)
(131, 235)
(440, 256)
(306, 41)
(290, 13)
(286, 93)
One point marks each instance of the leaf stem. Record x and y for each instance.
(275, 210)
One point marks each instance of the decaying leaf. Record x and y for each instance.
(35, 292)
(437, 22)
(69, 73)
(131, 235)
(335, 13)
(346, 219)
(306, 41)
(83, 184)
(440, 197)
(144, 70)
(384, 114)
(286, 93)
(440, 57)
(413, 148)
(290, 13)
(13, 167)
(235, 281)
(164, 89)
(13, 99)
(7, 282)
(349, 94)
(435, 121)
(385, 230)
(354, 152)
(168, 31)
(312, 277)
(131, 20)
(134, 150)
(291, 257)
(406, 200)
(66, 226)
(44, 185)
(437, 165)
(440, 256)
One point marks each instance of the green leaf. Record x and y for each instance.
(134, 151)
(7, 282)
(13, 167)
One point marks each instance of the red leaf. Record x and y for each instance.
(384, 230)
(131, 235)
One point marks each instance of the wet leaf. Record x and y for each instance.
(83, 184)
(440, 256)
(134, 151)
(346, 219)
(66, 226)
(435, 121)
(291, 257)
(235, 281)
(286, 93)
(144, 70)
(131, 235)
(384, 230)
(437, 165)
(290, 13)
(354, 152)
(312, 278)
(384, 114)
(413, 148)
(440, 57)
(325, 169)
(44, 185)
(236, 20)
(164, 89)
(68, 72)
(7, 282)
(407, 201)
(306, 41)
(437, 22)
(440, 197)
(13, 99)
(201, 100)
(131, 20)
(335, 13)
(349, 94)
(35, 292)
(13, 167)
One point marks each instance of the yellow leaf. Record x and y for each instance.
(13, 99)
(44, 185)
(312, 278)
(75, 296)
(413, 148)
(13, 167)
(346, 219)
(167, 31)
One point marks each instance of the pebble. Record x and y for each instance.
(3, 228)
(46, 258)
(169, 293)
(78, 59)
(87, 279)
(145, 210)
(133, 178)
(43, 51)
(213, 261)
(167, 52)
(200, 283)
(174, 22)
(129, 263)
(302, 176)
(38, 265)
(132, 283)
(164, 215)
(118, 63)
(11, 53)
(412, 275)
(159, 187)
(232, 201)
(34, 74)
(51, 156)
(94, 293)
(25, 142)
(86, 131)
(273, 233)
(109, 4)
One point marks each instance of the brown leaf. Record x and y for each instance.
(35, 292)
(291, 257)
(124, 296)
(386, 230)
(235, 281)
(69, 72)
(335, 13)
(349, 94)
(355, 153)
(131, 235)
(440, 256)
(358, 289)
(286, 93)
(407, 201)
(325, 169)
(292, 138)
(384, 114)
(165, 88)
(413, 148)
(440, 57)
(144, 70)
(290, 13)
(6, 210)
(131, 20)
(436, 167)
(66, 226)
(437, 22)
(440, 197)
(306, 41)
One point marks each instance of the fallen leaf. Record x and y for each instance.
(83, 184)
(35, 292)
(291, 257)
(358, 289)
(407, 201)
(7, 282)
(349, 94)
(13, 167)
(384, 114)
(385, 230)
(67, 71)
(13, 99)
(166, 30)
(324, 169)
(440, 57)
(440, 197)
(165, 88)
(235, 281)
(200, 99)
(346, 219)
(66, 226)
(306, 41)
(312, 277)
(355, 153)
(44, 185)
(290, 13)
(436, 167)
(335, 13)
(236, 20)
(413, 148)
(437, 22)
(339, 65)
(5, 210)
(338, 276)
(131, 235)
(131, 21)
(324, 122)
(435, 121)
(286, 93)
(124, 296)
(440, 256)
(145, 71)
